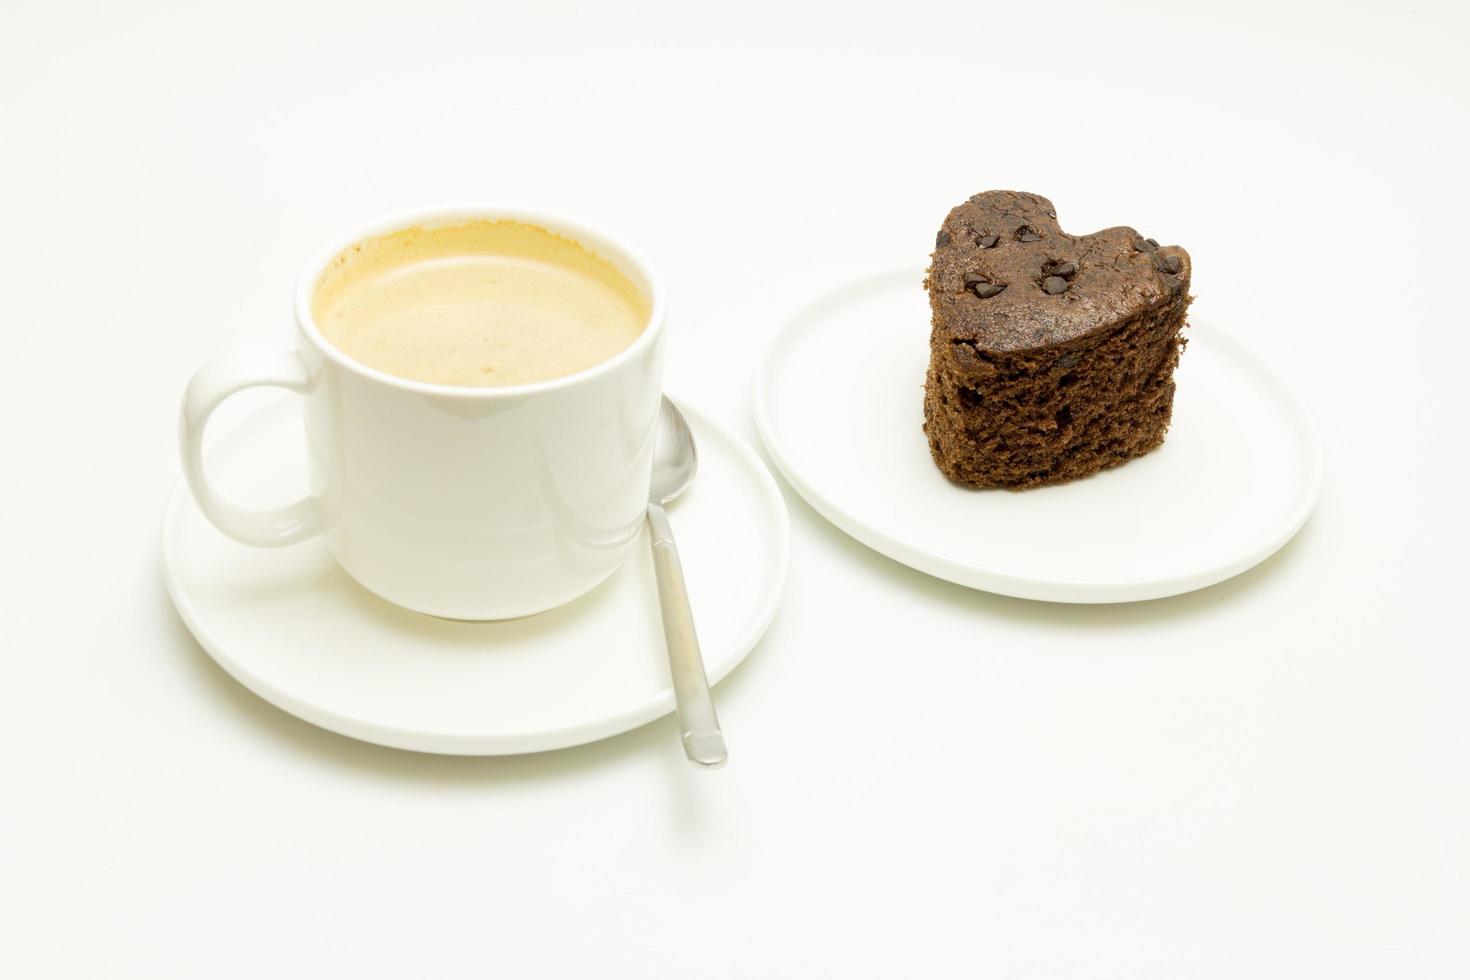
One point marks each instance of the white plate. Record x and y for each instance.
(291, 626)
(839, 403)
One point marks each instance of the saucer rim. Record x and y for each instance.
(494, 743)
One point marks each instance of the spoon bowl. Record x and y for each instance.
(675, 457)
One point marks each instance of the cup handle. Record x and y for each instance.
(219, 378)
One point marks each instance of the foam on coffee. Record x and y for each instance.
(477, 304)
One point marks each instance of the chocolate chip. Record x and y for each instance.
(1145, 244)
(1170, 264)
(1027, 234)
(941, 239)
(1054, 285)
(987, 241)
(982, 287)
(1064, 269)
(1152, 242)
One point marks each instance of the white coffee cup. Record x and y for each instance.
(468, 503)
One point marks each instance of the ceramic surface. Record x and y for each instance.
(839, 404)
(292, 626)
(468, 503)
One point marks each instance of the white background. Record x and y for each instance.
(1264, 779)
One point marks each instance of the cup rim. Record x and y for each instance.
(610, 247)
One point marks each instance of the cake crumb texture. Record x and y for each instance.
(1052, 356)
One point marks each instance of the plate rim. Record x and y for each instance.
(969, 574)
(497, 743)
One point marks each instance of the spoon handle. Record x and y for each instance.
(704, 743)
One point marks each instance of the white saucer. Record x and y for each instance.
(292, 627)
(839, 403)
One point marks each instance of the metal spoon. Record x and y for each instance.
(674, 463)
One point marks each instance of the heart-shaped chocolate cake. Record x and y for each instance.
(1052, 356)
